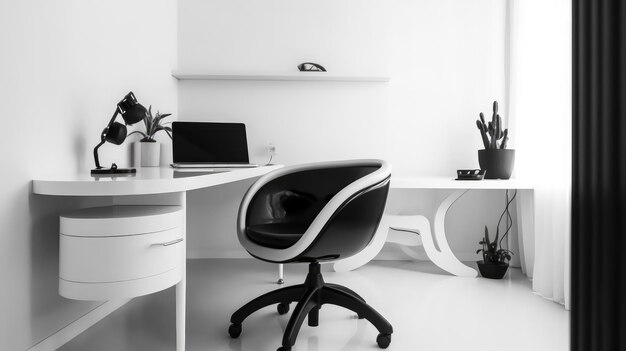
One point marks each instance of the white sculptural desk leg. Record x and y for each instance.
(442, 257)
(448, 261)
(368, 253)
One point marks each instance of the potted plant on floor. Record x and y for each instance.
(150, 148)
(496, 259)
(495, 159)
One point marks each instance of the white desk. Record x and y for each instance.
(443, 256)
(150, 186)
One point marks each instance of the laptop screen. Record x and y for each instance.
(208, 142)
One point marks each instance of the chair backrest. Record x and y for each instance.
(338, 206)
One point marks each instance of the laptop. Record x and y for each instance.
(209, 145)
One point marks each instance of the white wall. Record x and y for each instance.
(446, 59)
(446, 63)
(63, 67)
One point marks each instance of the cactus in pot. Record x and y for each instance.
(495, 158)
(492, 131)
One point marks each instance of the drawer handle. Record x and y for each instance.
(169, 242)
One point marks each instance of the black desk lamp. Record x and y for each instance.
(115, 132)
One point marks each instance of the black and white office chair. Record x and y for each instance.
(313, 213)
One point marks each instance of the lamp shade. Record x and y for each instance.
(116, 134)
(132, 111)
(135, 114)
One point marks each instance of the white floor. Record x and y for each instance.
(429, 311)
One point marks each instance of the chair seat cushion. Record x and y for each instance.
(276, 235)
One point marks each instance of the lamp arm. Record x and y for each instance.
(117, 111)
(103, 138)
(95, 154)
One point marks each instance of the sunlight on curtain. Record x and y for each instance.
(540, 110)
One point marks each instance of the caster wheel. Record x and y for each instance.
(283, 348)
(282, 308)
(234, 330)
(383, 340)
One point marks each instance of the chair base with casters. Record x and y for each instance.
(310, 297)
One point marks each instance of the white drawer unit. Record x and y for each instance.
(120, 251)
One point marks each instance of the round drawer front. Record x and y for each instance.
(119, 258)
(120, 251)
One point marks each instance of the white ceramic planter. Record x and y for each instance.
(150, 154)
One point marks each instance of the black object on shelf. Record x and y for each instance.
(311, 67)
(469, 174)
(115, 132)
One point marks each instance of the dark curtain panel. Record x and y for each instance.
(599, 176)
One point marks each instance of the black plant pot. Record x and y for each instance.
(492, 270)
(497, 163)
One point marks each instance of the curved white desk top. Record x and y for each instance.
(147, 180)
(402, 182)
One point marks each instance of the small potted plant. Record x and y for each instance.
(495, 261)
(495, 159)
(150, 148)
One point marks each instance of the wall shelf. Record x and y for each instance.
(295, 76)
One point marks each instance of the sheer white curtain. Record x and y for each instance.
(539, 108)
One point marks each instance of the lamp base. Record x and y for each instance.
(105, 171)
